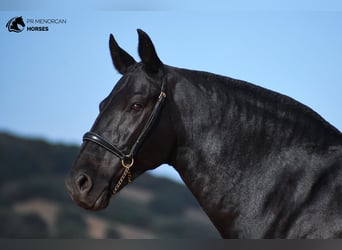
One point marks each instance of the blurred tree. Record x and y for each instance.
(71, 224)
(179, 227)
(14, 225)
(112, 233)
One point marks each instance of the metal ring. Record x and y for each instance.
(127, 165)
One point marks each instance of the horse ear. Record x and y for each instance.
(121, 59)
(148, 53)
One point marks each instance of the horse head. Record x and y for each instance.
(12, 25)
(125, 139)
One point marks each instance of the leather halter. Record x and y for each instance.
(127, 160)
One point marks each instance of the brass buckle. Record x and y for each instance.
(125, 164)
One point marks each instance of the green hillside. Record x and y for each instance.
(34, 202)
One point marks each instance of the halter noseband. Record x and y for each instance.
(127, 160)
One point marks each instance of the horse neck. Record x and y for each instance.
(226, 129)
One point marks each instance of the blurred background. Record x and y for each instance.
(35, 204)
(52, 81)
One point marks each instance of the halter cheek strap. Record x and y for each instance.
(127, 160)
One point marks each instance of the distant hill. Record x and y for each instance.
(34, 202)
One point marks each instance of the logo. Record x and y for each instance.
(16, 24)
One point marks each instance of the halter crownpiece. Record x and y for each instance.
(127, 160)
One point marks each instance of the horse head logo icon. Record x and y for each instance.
(16, 24)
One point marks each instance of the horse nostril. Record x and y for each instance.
(84, 183)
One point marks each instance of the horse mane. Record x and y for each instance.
(260, 105)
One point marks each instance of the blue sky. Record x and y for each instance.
(52, 82)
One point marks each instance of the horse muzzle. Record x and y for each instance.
(81, 190)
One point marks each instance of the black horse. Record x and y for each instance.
(12, 25)
(261, 164)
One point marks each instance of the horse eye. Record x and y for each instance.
(137, 107)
